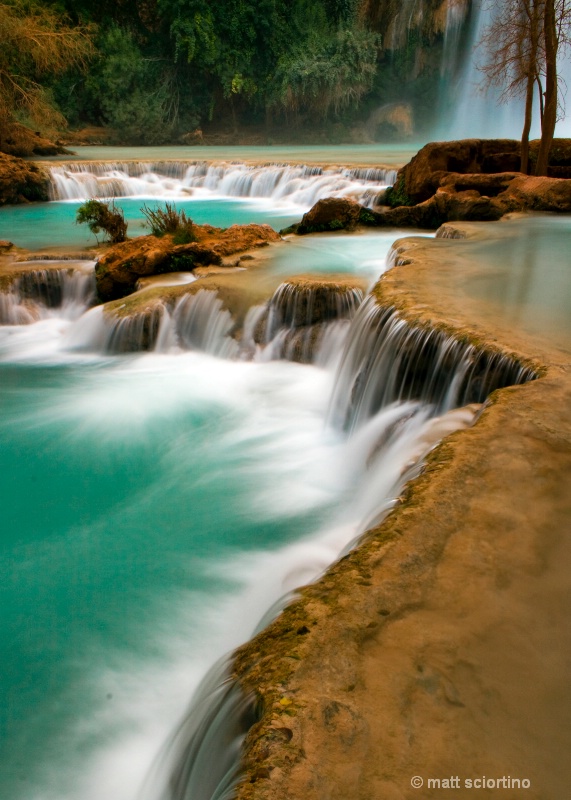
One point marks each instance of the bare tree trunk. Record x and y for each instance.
(524, 166)
(541, 98)
(550, 110)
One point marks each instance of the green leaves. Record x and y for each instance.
(106, 217)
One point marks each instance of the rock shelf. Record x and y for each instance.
(438, 647)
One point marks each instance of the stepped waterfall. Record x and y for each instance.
(365, 417)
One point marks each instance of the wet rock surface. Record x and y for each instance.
(331, 214)
(439, 646)
(118, 271)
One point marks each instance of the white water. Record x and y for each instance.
(479, 113)
(265, 426)
(71, 287)
(283, 184)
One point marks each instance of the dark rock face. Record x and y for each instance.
(420, 178)
(331, 214)
(20, 181)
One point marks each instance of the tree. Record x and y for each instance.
(106, 217)
(35, 42)
(522, 46)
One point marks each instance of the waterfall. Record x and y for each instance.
(386, 360)
(476, 113)
(201, 323)
(299, 315)
(294, 184)
(197, 322)
(101, 332)
(200, 760)
(37, 291)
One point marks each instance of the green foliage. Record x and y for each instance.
(396, 196)
(328, 74)
(166, 67)
(168, 220)
(104, 217)
(133, 93)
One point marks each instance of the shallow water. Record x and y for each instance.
(390, 155)
(523, 274)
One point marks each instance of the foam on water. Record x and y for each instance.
(237, 494)
(284, 184)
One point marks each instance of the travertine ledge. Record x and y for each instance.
(439, 647)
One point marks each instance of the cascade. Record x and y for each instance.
(478, 113)
(385, 360)
(101, 332)
(37, 291)
(197, 322)
(299, 315)
(399, 390)
(202, 323)
(201, 757)
(297, 184)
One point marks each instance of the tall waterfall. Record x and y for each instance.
(478, 113)
(299, 185)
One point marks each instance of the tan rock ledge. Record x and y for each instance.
(440, 646)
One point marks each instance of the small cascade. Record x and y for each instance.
(200, 761)
(386, 360)
(294, 184)
(202, 323)
(101, 332)
(37, 292)
(298, 316)
(197, 322)
(13, 311)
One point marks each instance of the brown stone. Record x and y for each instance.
(20, 181)
(18, 140)
(421, 177)
(118, 271)
(440, 645)
(331, 214)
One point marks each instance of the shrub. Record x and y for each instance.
(105, 217)
(168, 220)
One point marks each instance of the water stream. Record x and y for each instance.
(156, 506)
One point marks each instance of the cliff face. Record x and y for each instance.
(397, 20)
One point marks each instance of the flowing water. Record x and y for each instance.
(474, 112)
(156, 506)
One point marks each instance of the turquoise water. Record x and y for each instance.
(155, 506)
(131, 490)
(53, 224)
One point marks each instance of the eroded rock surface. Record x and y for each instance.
(439, 647)
(21, 181)
(118, 271)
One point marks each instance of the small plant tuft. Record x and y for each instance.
(168, 220)
(106, 217)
